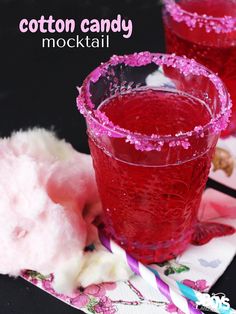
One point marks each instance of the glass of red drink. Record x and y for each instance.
(206, 31)
(153, 121)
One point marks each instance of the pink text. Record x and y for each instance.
(105, 25)
(44, 25)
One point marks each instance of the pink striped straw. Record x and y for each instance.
(154, 280)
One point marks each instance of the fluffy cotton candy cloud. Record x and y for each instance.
(48, 202)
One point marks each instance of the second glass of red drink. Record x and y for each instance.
(153, 122)
(206, 31)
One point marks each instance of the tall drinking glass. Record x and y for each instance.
(153, 121)
(206, 31)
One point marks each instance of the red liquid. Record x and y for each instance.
(216, 51)
(151, 210)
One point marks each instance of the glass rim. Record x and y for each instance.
(102, 125)
(224, 24)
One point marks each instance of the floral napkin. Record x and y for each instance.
(199, 267)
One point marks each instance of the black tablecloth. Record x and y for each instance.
(38, 88)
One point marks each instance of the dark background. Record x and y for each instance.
(38, 88)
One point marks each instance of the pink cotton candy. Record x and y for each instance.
(45, 187)
(48, 204)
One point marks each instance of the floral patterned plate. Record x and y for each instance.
(199, 267)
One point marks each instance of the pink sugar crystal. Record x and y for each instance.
(100, 124)
(225, 24)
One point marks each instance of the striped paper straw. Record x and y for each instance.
(152, 278)
(190, 293)
(175, 291)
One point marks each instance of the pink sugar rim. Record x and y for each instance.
(101, 125)
(224, 24)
